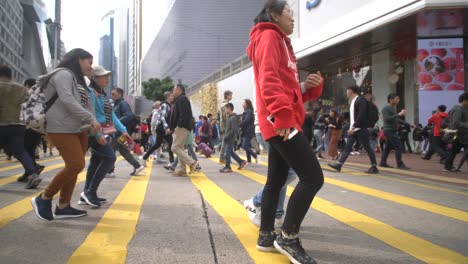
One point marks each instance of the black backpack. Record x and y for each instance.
(372, 115)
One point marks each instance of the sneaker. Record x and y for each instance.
(198, 168)
(169, 167)
(225, 170)
(254, 212)
(403, 167)
(453, 169)
(68, 212)
(373, 170)
(193, 166)
(91, 198)
(245, 163)
(42, 208)
(160, 161)
(40, 168)
(22, 178)
(385, 165)
(33, 181)
(83, 201)
(257, 159)
(137, 170)
(110, 175)
(265, 241)
(336, 167)
(293, 249)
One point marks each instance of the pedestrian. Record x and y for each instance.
(418, 138)
(102, 152)
(358, 129)
(248, 130)
(12, 129)
(144, 134)
(458, 116)
(161, 127)
(231, 132)
(222, 123)
(181, 123)
(437, 146)
(66, 120)
(335, 127)
(427, 135)
(404, 129)
(319, 132)
(190, 151)
(198, 125)
(280, 106)
(205, 131)
(215, 136)
(308, 125)
(122, 112)
(393, 142)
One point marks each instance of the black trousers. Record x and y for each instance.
(437, 146)
(160, 135)
(456, 147)
(362, 136)
(32, 140)
(299, 155)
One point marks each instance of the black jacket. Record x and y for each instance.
(361, 107)
(181, 115)
(247, 124)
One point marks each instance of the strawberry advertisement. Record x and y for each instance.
(441, 75)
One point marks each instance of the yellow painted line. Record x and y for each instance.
(10, 179)
(21, 166)
(18, 209)
(406, 242)
(419, 204)
(236, 218)
(107, 243)
(418, 174)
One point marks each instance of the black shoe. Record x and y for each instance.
(22, 178)
(265, 241)
(373, 170)
(169, 167)
(293, 249)
(40, 168)
(33, 181)
(42, 208)
(385, 165)
(336, 167)
(83, 201)
(403, 167)
(453, 169)
(425, 158)
(91, 198)
(68, 212)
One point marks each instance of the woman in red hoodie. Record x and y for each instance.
(279, 95)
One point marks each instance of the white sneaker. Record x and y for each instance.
(137, 170)
(254, 212)
(141, 158)
(110, 175)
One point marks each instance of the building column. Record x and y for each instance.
(381, 87)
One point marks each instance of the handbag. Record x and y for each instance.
(108, 129)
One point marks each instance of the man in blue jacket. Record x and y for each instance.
(123, 111)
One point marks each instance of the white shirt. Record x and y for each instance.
(351, 114)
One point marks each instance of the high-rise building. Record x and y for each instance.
(107, 46)
(20, 37)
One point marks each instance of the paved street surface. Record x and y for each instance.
(393, 217)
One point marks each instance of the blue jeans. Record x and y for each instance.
(393, 142)
(101, 162)
(230, 153)
(257, 199)
(318, 133)
(362, 136)
(248, 150)
(262, 142)
(12, 139)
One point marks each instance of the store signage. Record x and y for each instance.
(312, 4)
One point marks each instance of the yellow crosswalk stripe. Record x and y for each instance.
(235, 217)
(21, 166)
(18, 209)
(406, 242)
(419, 204)
(107, 243)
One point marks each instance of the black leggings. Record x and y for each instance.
(160, 135)
(299, 155)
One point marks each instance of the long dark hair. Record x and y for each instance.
(248, 103)
(271, 6)
(71, 61)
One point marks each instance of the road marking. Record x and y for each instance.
(107, 243)
(10, 179)
(18, 209)
(236, 218)
(419, 204)
(21, 166)
(406, 242)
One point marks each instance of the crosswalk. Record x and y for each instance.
(158, 218)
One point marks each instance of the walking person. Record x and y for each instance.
(12, 129)
(181, 123)
(231, 129)
(418, 138)
(437, 146)
(222, 124)
(160, 124)
(319, 132)
(123, 111)
(280, 96)
(336, 130)
(390, 129)
(458, 116)
(404, 129)
(70, 112)
(358, 129)
(248, 130)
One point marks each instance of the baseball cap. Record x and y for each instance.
(100, 71)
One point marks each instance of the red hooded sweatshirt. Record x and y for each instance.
(278, 91)
(436, 119)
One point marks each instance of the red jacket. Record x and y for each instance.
(276, 80)
(436, 119)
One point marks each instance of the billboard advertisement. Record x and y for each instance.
(441, 75)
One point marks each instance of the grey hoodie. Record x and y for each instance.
(66, 115)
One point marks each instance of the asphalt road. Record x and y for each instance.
(159, 218)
